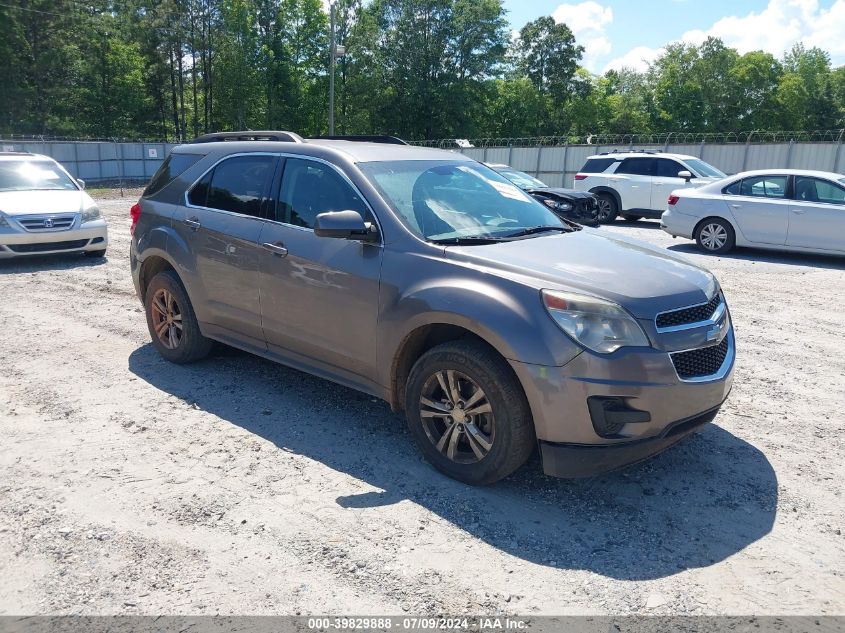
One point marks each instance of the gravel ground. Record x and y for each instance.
(237, 486)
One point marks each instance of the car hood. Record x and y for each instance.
(643, 279)
(570, 194)
(40, 202)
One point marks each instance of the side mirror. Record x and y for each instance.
(81, 183)
(686, 175)
(343, 225)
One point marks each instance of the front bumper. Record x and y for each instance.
(91, 236)
(642, 380)
(582, 460)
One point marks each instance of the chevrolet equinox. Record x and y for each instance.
(427, 279)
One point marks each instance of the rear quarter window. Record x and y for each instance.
(172, 167)
(596, 165)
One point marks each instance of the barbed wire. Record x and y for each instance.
(31, 138)
(645, 139)
(658, 139)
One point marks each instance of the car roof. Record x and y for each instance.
(20, 155)
(641, 154)
(357, 151)
(789, 172)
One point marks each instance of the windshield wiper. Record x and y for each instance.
(473, 240)
(539, 229)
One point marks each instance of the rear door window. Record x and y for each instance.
(239, 185)
(637, 167)
(764, 187)
(172, 167)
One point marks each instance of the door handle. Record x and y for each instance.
(193, 223)
(798, 212)
(277, 248)
(736, 206)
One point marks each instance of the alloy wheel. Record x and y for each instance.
(605, 210)
(713, 236)
(167, 318)
(457, 417)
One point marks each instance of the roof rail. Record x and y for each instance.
(632, 151)
(249, 135)
(363, 138)
(16, 154)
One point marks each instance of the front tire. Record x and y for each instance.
(172, 322)
(608, 209)
(468, 413)
(715, 235)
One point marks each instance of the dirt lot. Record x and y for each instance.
(237, 486)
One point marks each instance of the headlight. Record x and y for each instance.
(557, 206)
(92, 213)
(599, 325)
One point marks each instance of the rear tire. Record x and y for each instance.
(632, 218)
(715, 235)
(608, 209)
(172, 322)
(495, 436)
(95, 254)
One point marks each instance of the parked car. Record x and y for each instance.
(783, 209)
(429, 280)
(636, 184)
(44, 210)
(569, 204)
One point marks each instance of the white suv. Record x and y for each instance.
(637, 184)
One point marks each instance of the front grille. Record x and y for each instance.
(50, 223)
(689, 315)
(44, 247)
(701, 362)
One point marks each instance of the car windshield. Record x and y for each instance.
(27, 175)
(704, 169)
(442, 200)
(520, 178)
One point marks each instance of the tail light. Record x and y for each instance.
(673, 200)
(134, 214)
(580, 176)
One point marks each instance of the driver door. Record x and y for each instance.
(319, 295)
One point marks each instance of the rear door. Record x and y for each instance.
(319, 295)
(221, 222)
(817, 215)
(761, 208)
(632, 180)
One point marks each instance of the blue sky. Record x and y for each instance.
(632, 32)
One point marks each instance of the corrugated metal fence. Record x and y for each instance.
(557, 166)
(100, 161)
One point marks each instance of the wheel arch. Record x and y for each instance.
(611, 192)
(416, 343)
(152, 265)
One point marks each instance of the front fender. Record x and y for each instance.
(508, 316)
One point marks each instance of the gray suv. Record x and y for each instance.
(426, 279)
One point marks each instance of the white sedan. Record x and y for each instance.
(783, 209)
(43, 210)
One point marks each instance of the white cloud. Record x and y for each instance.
(637, 59)
(774, 30)
(588, 21)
